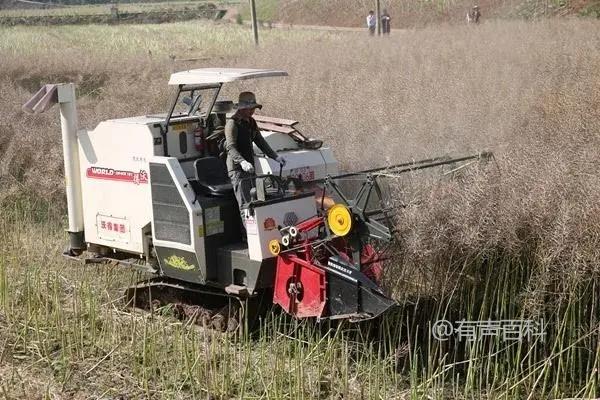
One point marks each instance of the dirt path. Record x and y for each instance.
(281, 25)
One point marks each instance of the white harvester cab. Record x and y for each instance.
(155, 189)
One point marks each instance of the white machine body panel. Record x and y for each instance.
(262, 227)
(115, 187)
(300, 163)
(114, 175)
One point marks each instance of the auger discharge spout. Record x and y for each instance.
(64, 95)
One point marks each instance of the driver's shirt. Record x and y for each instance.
(240, 134)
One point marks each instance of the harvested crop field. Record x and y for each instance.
(128, 13)
(518, 239)
(410, 14)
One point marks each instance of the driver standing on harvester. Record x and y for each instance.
(241, 131)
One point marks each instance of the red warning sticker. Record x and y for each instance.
(269, 224)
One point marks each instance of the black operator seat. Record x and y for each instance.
(211, 174)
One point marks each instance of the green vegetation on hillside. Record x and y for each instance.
(94, 9)
(266, 10)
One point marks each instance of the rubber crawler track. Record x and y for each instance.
(202, 305)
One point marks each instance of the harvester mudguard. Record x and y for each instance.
(300, 287)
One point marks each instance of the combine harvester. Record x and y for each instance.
(151, 192)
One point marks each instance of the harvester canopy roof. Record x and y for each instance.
(206, 76)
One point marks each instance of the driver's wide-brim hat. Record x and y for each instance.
(247, 100)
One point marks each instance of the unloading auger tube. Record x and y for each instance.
(64, 95)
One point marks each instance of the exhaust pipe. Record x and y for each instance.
(45, 98)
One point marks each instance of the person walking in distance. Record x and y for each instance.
(241, 132)
(385, 22)
(473, 15)
(371, 22)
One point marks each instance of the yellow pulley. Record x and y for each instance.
(274, 247)
(339, 220)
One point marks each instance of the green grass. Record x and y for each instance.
(266, 10)
(591, 10)
(184, 39)
(95, 9)
(65, 327)
(68, 327)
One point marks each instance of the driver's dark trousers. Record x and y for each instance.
(242, 183)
